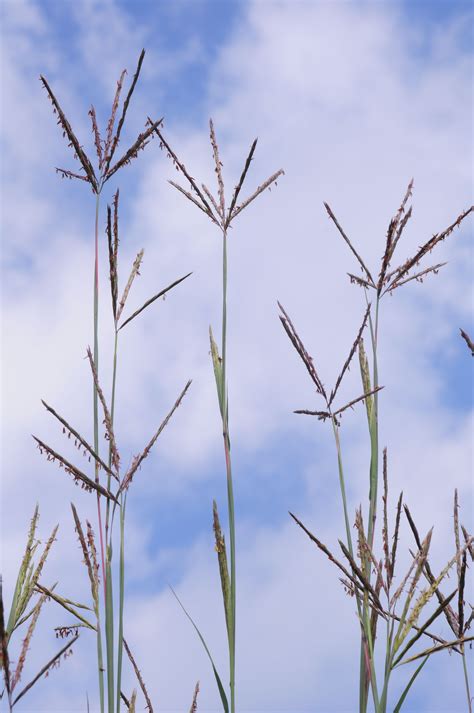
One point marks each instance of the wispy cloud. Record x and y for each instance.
(340, 96)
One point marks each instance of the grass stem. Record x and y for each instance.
(96, 439)
(230, 489)
(466, 679)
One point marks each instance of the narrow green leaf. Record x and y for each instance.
(217, 364)
(440, 647)
(218, 680)
(401, 700)
(109, 632)
(365, 375)
(4, 659)
(121, 601)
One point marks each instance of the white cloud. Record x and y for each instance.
(340, 102)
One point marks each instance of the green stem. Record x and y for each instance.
(466, 679)
(230, 490)
(96, 437)
(224, 322)
(123, 503)
(373, 489)
(342, 485)
(374, 435)
(363, 688)
(370, 643)
(363, 679)
(362, 684)
(100, 658)
(230, 500)
(112, 414)
(122, 535)
(122, 540)
(109, 632)
(388, 663)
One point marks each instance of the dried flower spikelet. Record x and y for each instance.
(111, 122)
(238, 187)
(27, 641)
(193, 708)
(134, 272)
(425, 596)
(85, 550)
(418, 562)
(218, 169)
(116, 139)
(94, 562)
(97, 139)
(63, 632)
(211, 198)
(468, 340)
(365, 374)
(348, 361)
(266, 184)
(113, 272)
(223, 568)
(44, 556)
(385, 535)
(109, 430)
(78, 476)
(138, 674)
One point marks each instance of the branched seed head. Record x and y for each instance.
(214, 208)
(388, 281)
(105, 149)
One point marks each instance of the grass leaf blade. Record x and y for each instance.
(218, 679)
(401, 700)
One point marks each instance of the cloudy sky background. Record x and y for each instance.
(352, 99)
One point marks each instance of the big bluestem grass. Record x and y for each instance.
(367, 571)
(221, 211)
(107, 480)
(29, 597)
(358, 578)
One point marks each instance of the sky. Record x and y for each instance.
(352, 99)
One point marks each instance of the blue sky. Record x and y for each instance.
(352, 99)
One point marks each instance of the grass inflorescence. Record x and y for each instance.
(405, 606)
(398, 610)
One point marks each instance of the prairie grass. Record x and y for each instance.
(28, 600)
(395, 616)
(108, 482)
(404, 607)
(221, 213)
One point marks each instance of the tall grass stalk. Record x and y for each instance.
(366, 575)
(24, 609)
(113, 610)
(367, 598)
(221, 213)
